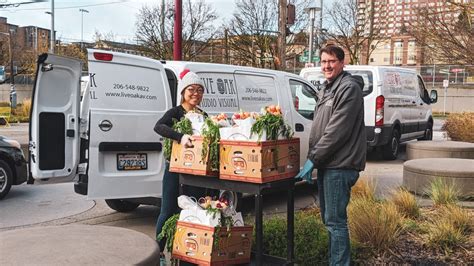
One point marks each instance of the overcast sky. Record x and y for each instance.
(104, 15)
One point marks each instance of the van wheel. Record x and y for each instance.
(390, 150)
(6, 179)
(121, 205)
(428, 132)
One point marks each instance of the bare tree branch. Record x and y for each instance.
(198, 29)
(451, 34)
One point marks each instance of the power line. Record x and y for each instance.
(67, 7)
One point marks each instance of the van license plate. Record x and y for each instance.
(131, 161)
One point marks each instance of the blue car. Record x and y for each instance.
(13, 169)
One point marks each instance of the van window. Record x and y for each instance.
(368, 78)
(173, 82)
(304, 99)
(423, 92)
(315, 77)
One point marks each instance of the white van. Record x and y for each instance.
(396, 104)
(126, 95)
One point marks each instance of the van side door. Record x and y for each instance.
(128, 95)
(303, 99)
(54, 120)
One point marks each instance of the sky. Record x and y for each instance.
(116, 16)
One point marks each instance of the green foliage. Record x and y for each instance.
(273, 125)
(210, 145)
(182, 126)
(168, 230)
(442, 192)
(311, 238)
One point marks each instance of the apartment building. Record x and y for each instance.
(392, 19)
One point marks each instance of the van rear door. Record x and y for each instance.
(128, 94)
(54, 122)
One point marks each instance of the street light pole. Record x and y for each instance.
(311, 9)
(12, 76)
(53, 37)
(82, 26)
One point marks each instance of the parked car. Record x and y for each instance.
(13, 170)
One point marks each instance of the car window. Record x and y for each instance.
(423, 92)
(367, 76)
(304, 98)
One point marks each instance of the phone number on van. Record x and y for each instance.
(119, 86)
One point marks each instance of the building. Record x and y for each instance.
(24, 39)
(393, 19)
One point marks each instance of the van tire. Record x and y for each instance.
(428, 132)
(391, 149)
(6, 178)
(121, 205)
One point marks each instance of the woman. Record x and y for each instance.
(192, 90)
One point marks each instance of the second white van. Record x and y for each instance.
(396, 104)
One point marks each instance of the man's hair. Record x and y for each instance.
(333, 50)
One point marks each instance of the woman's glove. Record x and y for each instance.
(307, 172)
(186, 141)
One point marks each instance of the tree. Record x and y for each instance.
(157, 40)
(346, 31)
(253, 31)
(446, 38)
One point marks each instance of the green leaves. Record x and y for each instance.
(182, 126)
(168, 230)
(273, 125)
(210, 145)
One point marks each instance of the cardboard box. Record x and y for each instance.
(188, 160)
(259, 162)
(197, 244)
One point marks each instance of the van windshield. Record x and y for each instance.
(367, 76)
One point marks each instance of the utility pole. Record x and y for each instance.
(82, 26)
(282, 33)
(12, 75)
(226, 36)
(53, 37)
(178, 24)
(163, 22)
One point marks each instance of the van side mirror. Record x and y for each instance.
(433, 96)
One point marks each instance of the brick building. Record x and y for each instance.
(24, 39)
(394, 17)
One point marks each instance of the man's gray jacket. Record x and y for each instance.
(338, 139)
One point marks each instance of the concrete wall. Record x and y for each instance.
(460, 99)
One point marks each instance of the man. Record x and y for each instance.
(337, 148)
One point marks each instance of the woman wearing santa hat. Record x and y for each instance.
(192, 90)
